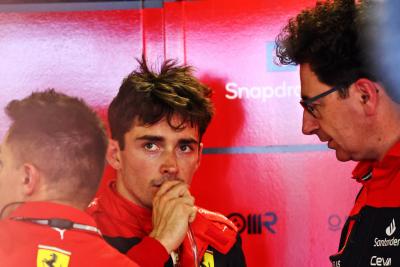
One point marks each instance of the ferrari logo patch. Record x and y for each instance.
(208, 259)
(52, 257)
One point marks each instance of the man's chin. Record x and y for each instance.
(342, 156)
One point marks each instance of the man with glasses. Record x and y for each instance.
(346, 106)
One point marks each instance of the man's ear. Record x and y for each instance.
(30, 180)
(113, 155)
(368, 95)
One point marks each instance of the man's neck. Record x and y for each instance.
(388, 130)
(123, 192)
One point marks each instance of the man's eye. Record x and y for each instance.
(151, 147)
(186, 148)
(313, 106)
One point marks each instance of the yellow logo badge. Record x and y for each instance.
(208, 259)
(52, 257)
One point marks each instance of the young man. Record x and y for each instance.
(346, 106)
(51, 162)
(157, 121)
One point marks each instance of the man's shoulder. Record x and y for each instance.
(104, 215)
(116, 217)
(94, 206)
(106, 219)
(103, 203)
(8, 234)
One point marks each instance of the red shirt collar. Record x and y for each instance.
(381, 189)
(381, 168)
(132, 215)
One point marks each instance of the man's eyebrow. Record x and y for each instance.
(152, 138)
(188, 141)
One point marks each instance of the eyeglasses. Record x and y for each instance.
(307, 104)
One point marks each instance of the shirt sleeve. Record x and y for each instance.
(149, 253)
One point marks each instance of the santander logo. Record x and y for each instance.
(392, 241)
(391, 228)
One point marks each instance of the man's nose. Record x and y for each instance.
(310, 123)
(169, 165)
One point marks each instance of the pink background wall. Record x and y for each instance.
(286, 191)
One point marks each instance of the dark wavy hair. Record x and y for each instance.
(149, 97)
(328, 38)
(63, 138)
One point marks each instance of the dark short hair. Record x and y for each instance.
(328, 38)
(148, 97)
(63, 138)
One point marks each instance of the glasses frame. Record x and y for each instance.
(306, 103)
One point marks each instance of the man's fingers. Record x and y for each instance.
(189, 200)
(176, 205)
(192, 215)
(174, 209)
(175, 191)
(171, 217)
(166, 186)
